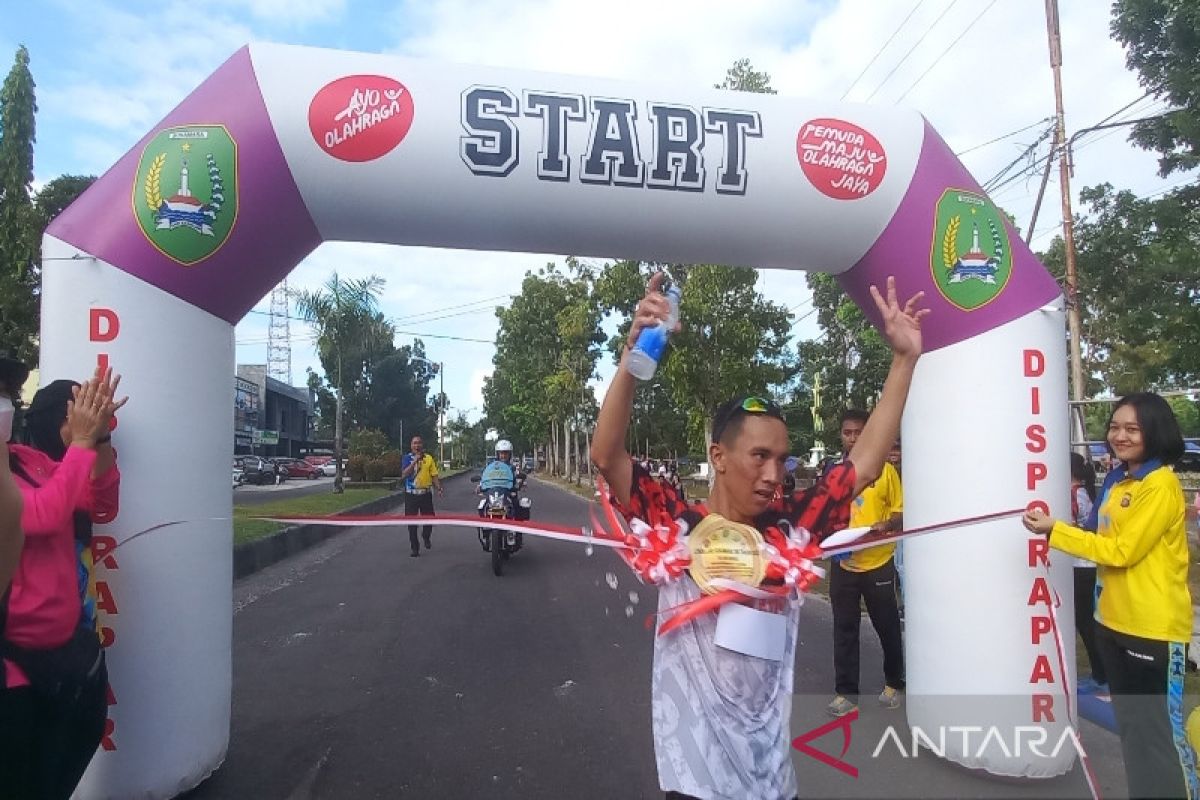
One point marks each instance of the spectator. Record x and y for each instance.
(53, 703)
(1083, 497)
(867, 577)
(894, 457)
(12, 376)
(1144, 608)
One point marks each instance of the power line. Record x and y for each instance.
(407, 317)
(443, 336)
(912, 49)
(423, 319)
(1162, 111)
(806, 316)
(991, 186)
(879, 52)
(973, 148)
(410, 317)
(947, 50)
(1003, 178)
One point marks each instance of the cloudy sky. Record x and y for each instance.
(109, 70)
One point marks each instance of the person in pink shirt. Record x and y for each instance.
(53, 702)
(12, 375)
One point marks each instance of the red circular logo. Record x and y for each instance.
(360, 117)
(842, 160)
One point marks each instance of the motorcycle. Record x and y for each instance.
(501, 504)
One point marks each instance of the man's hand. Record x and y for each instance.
(652, 309)
(901, 326)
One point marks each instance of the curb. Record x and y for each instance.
(252, 557)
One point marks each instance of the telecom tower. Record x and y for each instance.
(279, 338)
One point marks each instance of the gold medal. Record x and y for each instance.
(724, 549)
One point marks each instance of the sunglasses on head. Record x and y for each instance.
(761, 405)
(750, 405)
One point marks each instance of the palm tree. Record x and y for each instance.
(342, 311)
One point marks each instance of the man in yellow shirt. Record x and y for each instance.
(868, 576)
(420, 474)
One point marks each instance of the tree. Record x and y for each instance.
(546, 350)
(733, 341)
(343, 312)
(326, 405)
(396, 395)
(743, 78)
(467, 440)
(850, 356)
(19, 228)
(1162, 41)
(59, 193)
(1139, 288)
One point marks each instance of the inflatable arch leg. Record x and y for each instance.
(285, 147)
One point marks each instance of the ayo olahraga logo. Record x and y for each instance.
(185, 193)
(970, 256)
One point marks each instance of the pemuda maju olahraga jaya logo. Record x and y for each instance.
(185, 193)
(970, 256)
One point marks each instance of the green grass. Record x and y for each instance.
(246, 529)
(584, 490)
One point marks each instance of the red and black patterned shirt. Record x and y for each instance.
(821, 509)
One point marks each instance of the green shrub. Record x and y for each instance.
(370, 443)
(356, 466)
(391, 463)
(375, 469)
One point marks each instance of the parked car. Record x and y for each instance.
(329, 468)
(1190, 462)
(318, 461)
(239, 477)
(295, 468)
(257, 470)
(1099, 456)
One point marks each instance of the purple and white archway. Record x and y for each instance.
(283, 148)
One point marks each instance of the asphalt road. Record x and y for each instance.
(360, 672)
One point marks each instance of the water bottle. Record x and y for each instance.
(651, 342)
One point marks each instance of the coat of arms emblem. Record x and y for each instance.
(970, 257)
(185, 193)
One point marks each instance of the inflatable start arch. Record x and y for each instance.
(285, 147)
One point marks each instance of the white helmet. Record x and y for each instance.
(504, 446)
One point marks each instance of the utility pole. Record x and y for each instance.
(1074, 325)
(441, 413)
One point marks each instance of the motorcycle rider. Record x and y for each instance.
(502, 474)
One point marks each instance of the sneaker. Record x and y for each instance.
(428, 543)
(889, 697)
(841, 706)
(414, 554)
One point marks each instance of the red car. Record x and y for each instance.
(318, 461)
(298, 469)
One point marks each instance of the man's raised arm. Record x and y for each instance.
(608, 442)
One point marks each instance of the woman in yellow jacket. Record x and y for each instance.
(1143, 607)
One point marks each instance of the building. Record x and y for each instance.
(270, 417)
(246, 406)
